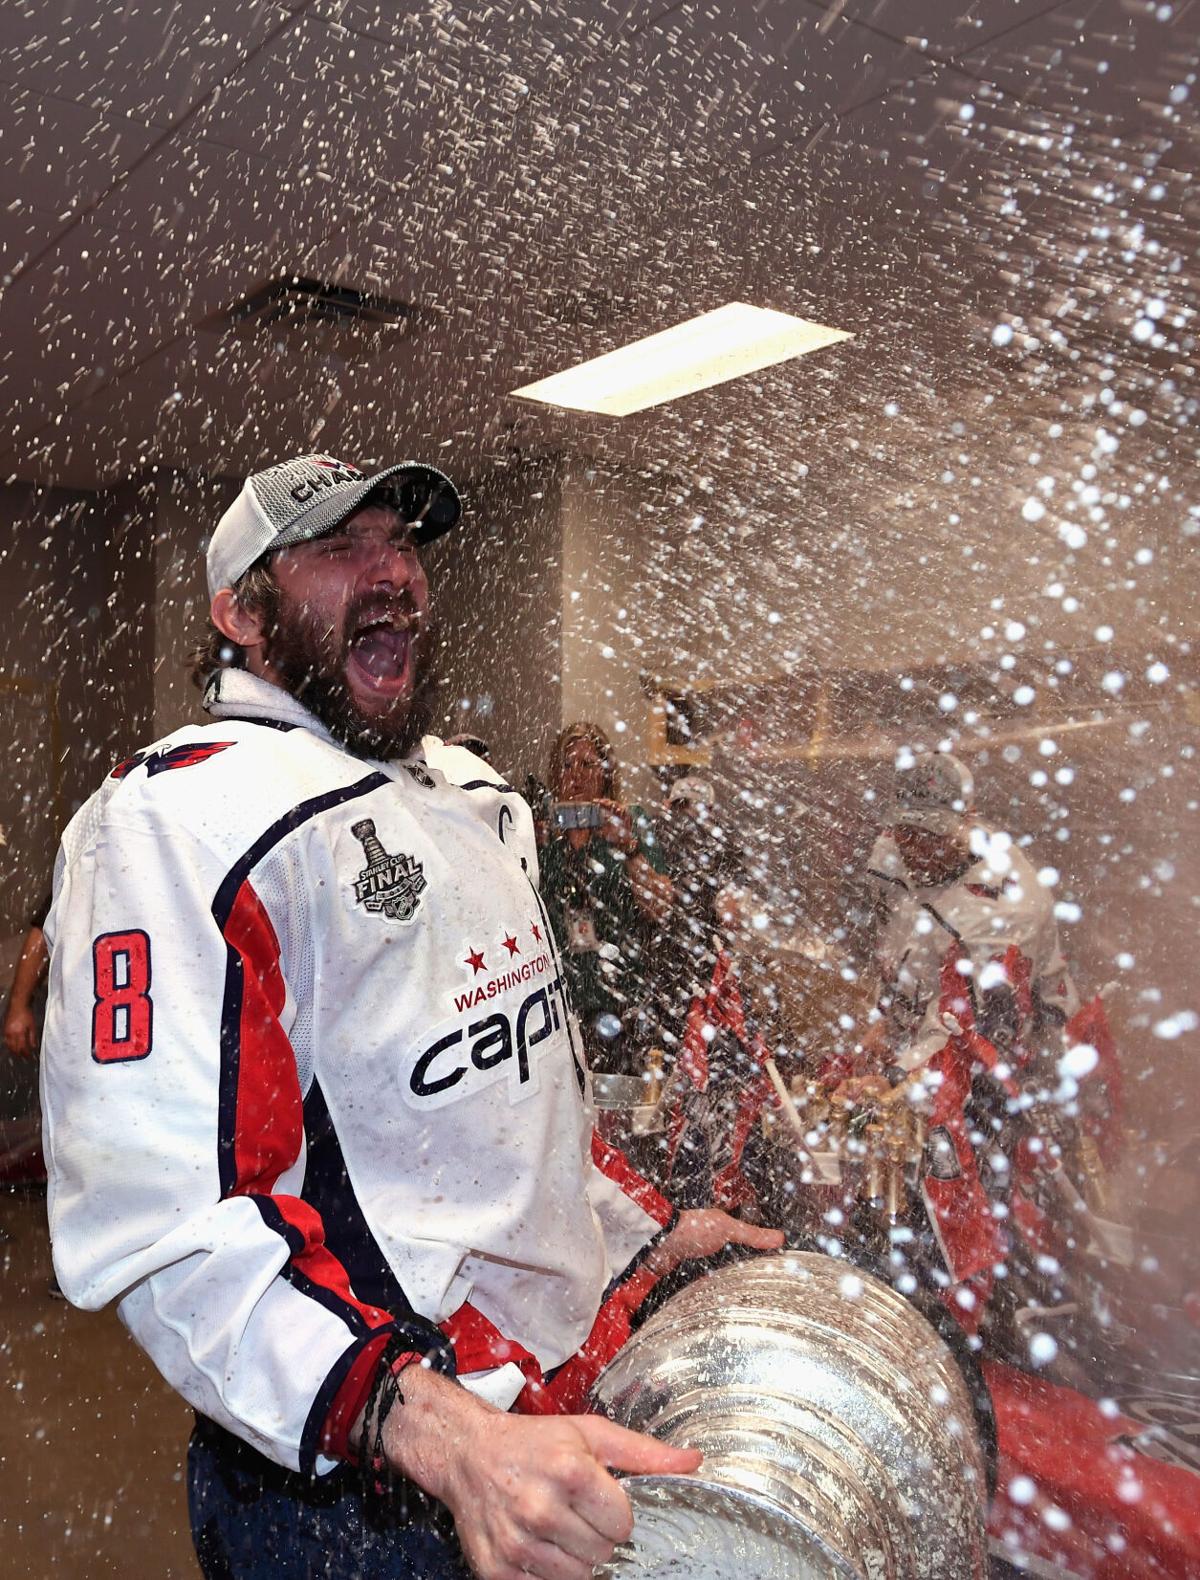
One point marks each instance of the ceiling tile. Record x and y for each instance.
(337, 106)
(100, 304)
(550, 191)
(150, 59)
(59, 156)
(946, 27)
(24, 231)
(1111, 67)
(512, 31)
(201, 202)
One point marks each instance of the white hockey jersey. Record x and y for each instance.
(996, 905)
(308, 1070)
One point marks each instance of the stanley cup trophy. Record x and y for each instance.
(838, 1435)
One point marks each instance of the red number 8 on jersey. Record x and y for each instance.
(123, 1017)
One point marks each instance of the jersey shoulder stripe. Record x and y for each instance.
(279, 830)
(489, 784)
(223, 784)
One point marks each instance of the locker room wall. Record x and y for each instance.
(76, 634)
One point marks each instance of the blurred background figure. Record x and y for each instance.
(606, 890)
(947, 880)
(979, 1028)
(702, 868)
(20, 1115)
(472, 743)
(27, 991)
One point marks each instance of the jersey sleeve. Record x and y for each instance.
(174, 1140)
(1054, 987)
(912, 1004)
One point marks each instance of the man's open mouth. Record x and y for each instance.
(380, 653)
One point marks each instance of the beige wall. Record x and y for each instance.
(650, 586)
(187, 507)
(497, 596)
(76, 625)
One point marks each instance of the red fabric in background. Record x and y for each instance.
(1130, 1517)
(1090, 1025)
(972, 1240)
(721, 1008)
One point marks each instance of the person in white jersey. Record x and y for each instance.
(316, 1114)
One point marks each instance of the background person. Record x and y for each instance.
(605, 889)
(20, 1112)
(27, 991)
(947, 879)
(974, 1000)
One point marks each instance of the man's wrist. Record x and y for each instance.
(425, 1438)
(347, 1429)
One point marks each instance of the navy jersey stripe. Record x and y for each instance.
(231, 1004)
(329, 1298)
(486, 784)
(279, 830)
(329, 1192)
(620, 1279)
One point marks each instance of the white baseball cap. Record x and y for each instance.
(692, 788)
(310, 496)
(935, 794)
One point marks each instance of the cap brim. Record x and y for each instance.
(444, 508)
(441, 512)
(933, 819)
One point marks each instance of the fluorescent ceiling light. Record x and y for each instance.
(708, 350)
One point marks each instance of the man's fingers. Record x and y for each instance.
(602, 1502)
(582, 1541)
(622, 1449)
(754, 1234)
(555, 1561)
(549, 1561)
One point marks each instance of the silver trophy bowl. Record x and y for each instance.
(627, 1121)
(622, 1107)
(838, 1435)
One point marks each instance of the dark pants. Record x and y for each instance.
(251, 1519)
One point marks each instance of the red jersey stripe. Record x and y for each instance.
(269, 1108)
(617, 1167)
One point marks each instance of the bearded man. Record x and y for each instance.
(316, 1110)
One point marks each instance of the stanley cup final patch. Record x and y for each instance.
(391, 884)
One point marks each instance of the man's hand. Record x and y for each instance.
(704, 1232)
(529, 1495)
(616, 826)
(20, 1032)
(876, 1042)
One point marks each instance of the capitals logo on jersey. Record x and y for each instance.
(391, 884)
(185, 756)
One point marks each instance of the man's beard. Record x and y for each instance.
(311, 664)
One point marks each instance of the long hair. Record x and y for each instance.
(595, 736)
(258, 591)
